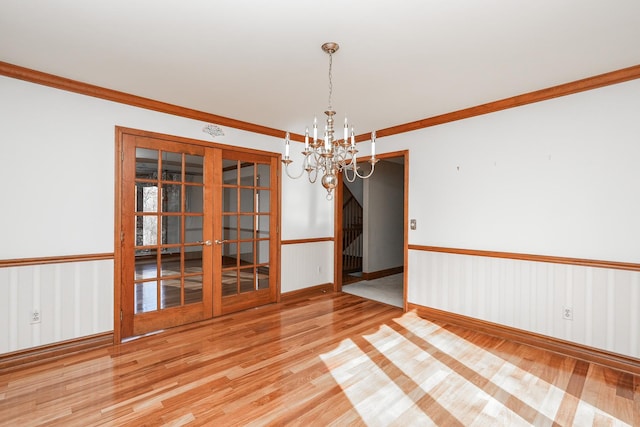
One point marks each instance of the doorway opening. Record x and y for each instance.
(352, 231)
(371, 232)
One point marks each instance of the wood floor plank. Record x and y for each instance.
(330, 359)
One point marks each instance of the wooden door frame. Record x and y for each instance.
(338, 200)
(120, 133)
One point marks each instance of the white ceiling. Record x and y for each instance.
(261, 62)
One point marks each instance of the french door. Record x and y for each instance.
(249, 219)
(198, 231)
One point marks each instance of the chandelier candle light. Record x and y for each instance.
(330, 156)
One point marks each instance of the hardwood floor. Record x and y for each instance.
(328, 359)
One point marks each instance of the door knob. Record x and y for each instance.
(219, 242)
(205, 243)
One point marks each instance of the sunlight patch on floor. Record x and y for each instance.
(377, 400)
(415, 372)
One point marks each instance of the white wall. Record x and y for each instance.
(306, 214)
(557, 178)
(306, 211)
(383, 232)
(305, 265)
(57, 165)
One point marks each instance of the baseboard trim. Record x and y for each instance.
(382, 273)
(307, 292)
(47, 353)
(566, 348)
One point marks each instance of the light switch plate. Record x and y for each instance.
(412, 224)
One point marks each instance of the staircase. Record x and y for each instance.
(351, 233)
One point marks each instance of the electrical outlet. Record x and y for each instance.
(35, 316)
(567, 313)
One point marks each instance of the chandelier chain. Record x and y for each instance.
(330, 79)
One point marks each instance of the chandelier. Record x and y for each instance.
(328, 156)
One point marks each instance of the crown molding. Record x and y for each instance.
(75, 86)
(33, 76)
(606, 79)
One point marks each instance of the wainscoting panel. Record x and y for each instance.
(306, 264)
(533, 296)
(74, 299)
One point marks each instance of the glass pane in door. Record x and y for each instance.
(171, 230)
(246, 226)
(246, 200)
(170, 264)
(193, 168)
(193, 260)
(146, 266)
(263, 201)
(230, 172)
(230, 227)
(171, 166)
(192, 289)
(263, 277)
(171, 292)
(230, 199)
(146, 163)
(230, 255)
(229, 282)
(263, 178)
(171, 198)
(246, 281)
(146, 296)
(247, 174)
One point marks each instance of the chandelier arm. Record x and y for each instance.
(346, 175)
(373, 166)
(313, 168)
(315, 175)
(353, 165)
(286, 168)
